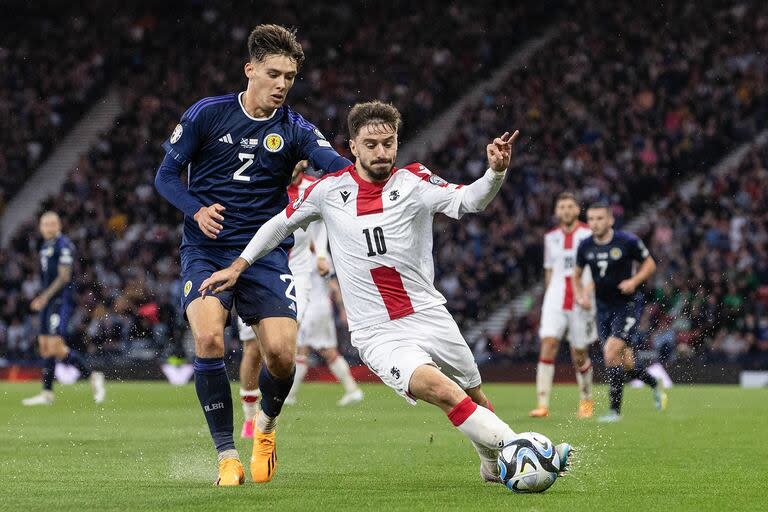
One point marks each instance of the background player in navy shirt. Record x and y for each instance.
(612, 257)
(239, 151)
(56, 303)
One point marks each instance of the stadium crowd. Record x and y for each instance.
(619, 107)
(126, 237)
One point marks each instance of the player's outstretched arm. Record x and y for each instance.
(269, 236)
(481, 192)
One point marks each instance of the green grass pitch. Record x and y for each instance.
(147, 448)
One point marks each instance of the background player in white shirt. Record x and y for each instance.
(300, 262)
(318, 331)
(561, 316)
(379, 221)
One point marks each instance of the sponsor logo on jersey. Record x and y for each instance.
(615, 253)
(227, 138)
(394, 195)
(273, 142)
(249, 143)
(344, 195)
(176, 135)
(298, 202)
(187, 288)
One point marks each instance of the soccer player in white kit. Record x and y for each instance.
(318, 331)
(379, 219)
(561, 316)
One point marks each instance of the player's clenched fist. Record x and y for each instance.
(208, 219)
(500, 151)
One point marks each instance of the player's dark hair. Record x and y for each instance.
(565, 196)
(600, 204)
(274, 40)
(372, 112)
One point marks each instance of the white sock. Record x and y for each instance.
(250, 401)
(545, 373)
(480, 425)
(264, 423)
(340, 369)
(657, 370)
(584, 380)
(301, 372)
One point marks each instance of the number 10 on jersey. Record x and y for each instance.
(377, 239)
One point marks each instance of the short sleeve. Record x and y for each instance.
(188, 136)
(638, 250)
(307, 208)
(581, 254)
(549, 260)
(436, 193)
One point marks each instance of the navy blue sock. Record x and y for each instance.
(616, 386)
(48, 370)
(643, 375)
(76, 360)
(273, 391)
(215, 395)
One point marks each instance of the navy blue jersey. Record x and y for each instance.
(241, 162)
(56, 252)
(611, 263)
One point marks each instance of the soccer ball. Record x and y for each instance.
(530, 463)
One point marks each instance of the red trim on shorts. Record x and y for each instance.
(547, 361)
(462, 411)
(586, 367)
(390, 286)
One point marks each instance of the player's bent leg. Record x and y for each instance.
(207, 318)
(250, 364)
(340, 369)
(633, 372)
(583, 366)
(302, 367)
(277, 336)
(545, 374)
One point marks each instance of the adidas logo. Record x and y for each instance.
(227, 138)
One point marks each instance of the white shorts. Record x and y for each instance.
(318, 328)
(302, 286)
(577, 325)
(393, 350)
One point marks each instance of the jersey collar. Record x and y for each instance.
(249, 116)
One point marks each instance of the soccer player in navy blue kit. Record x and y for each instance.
(611, 256)
(239, 151)
(56, 303)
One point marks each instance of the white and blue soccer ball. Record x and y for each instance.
(529, 463)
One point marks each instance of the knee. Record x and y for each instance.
(549, 348)
(579, 358)
(280, 362)
(329, 354)
(210, 344)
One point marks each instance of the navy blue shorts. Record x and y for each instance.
(619, 320)
(54, 318)
(264, 290)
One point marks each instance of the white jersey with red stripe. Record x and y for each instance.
(380, 236)
(560, 258)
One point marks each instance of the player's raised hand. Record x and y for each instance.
(208, 218)
(500, 151)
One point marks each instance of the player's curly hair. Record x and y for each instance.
(272, 39)
(372, 112)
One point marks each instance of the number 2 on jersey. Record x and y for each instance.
(247, 159)
(378, 239)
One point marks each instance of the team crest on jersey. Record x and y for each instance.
(176, 135)
(394, 195)
(187, 288)
(615, 253)
(273, 142)
(437, 180)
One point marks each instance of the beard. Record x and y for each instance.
(378, 171)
